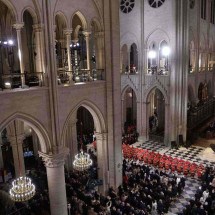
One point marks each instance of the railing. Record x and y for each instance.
(14, 80)
(83, 75)
(200, 114)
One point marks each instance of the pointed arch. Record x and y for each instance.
(33, 123)
(129, 38)
(150, 89)
(152, 36)
(126, 88)
(82, 18)
(99, 121)
(32, 12)
(12, 8)
(62, 16)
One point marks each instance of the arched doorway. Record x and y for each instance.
(93, 121)
(156, 115)
(129, 116)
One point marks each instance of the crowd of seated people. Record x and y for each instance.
(204, 201)
(144, 191)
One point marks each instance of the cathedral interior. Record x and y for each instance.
(107, 107)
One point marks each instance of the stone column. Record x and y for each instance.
(145, 121)
(68, 33)
(18, 27)
(40, 62)
(54, 163)
(99, 37)
(18, 158)
(101, 144)
(139, 119)
(71, 143)
(35, 143)
(87, 37)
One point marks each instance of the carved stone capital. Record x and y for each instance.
(68, 31)
(86, 33)
(55, 159)
(38, 27)
(18, 26)
(16, 140)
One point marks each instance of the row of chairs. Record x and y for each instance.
(163, 161)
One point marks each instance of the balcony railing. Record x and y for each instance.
(198, 115)
(83, 75)
(14, 80)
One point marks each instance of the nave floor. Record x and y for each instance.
(192, 154)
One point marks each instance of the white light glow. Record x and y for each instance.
(165, 51)
(10, 42)
(152, 54)
(7, 84)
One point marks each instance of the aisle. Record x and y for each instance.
(189, 191)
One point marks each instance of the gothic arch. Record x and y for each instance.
(154, 33)
(150, 89)
(12, 9)
(82, 18)
(129, 38)
(62, 16)
(125, 89)
(33, 13)
(45, 143)
(98, 118)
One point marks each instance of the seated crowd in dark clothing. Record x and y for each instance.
(204, 201)
(145, 190)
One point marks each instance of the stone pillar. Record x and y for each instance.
(18, 27)
(139, 119)
(54, 163)
(71, 143)
(99, 37)
(101, 144)
(87, 37)
(145, 120)
(35, 143)
(68, 33)
(39, 42)
(18, 158)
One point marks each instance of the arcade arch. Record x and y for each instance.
(69, 136)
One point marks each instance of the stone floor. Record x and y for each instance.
(199, 153)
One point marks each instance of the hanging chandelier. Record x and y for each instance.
(22, 189)
(82, 161)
